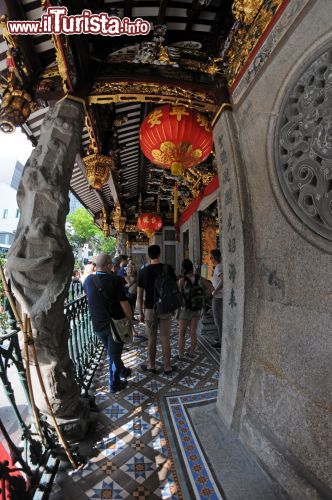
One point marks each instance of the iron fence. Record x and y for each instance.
(28, 462)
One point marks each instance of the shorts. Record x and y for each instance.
(152, 321)
(188, 314)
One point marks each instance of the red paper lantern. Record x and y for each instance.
(149, 224)
(176, 137)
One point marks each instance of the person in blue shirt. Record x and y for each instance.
(102, 310)
(123, 265)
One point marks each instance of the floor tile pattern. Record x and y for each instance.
(128, 447)
(194, 468)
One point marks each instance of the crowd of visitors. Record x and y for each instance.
(115, 289)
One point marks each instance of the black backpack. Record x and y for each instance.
(166, 293)
(193, 294)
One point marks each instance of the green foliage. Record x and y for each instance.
(107, 245)
(81, 230)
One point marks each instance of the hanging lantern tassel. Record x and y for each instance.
(176, 213)
(176, 204)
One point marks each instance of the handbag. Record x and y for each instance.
(121, 329)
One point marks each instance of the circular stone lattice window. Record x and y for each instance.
(304, 145)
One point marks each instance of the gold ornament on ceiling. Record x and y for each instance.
(245, 11)
(243, 40)
(97, 168)
(104, 223)
(118, 221)
(109, 92)
(15, 108)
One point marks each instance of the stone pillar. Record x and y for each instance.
(40, 261)
(275, 155)
(121, 244)
(236, 248)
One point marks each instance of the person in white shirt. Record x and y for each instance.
(217, 294)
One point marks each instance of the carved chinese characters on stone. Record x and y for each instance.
(304, 145)
(232, 301)
(230, 225)
(231, 272)
(231, 245)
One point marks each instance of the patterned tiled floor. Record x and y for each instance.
(129, 450)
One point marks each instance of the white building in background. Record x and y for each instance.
(74, 203)
(9, 216)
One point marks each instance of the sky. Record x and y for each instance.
(13, 147)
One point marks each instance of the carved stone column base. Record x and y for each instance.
(73, 429)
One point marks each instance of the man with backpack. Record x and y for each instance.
(107, 300)
(157, 299)
(193, 289)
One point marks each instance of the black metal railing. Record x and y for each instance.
(28, 461)
(84, 348)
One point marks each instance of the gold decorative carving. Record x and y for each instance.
(211, 66)
(61, 62)
(161, 55)
(97, 169)
(118, 221)
(15, 108)
(93, 146)
(242, 41)
(196, 179)
(8, 38)
(51, 72)
(17, 70)
(245, 11)
(130, 228)
(108, 92)
(104, 223)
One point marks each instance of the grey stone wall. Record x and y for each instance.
(275, 386)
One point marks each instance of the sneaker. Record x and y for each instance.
(145, 368)
(119, 386)
(126, 372)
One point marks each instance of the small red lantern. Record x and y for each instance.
(149, 224)
(176, 137)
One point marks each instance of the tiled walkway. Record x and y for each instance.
(141, 436)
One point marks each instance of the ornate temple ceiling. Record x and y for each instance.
(121, 79)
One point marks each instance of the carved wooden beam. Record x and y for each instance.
(14, 10)
(203, 97)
